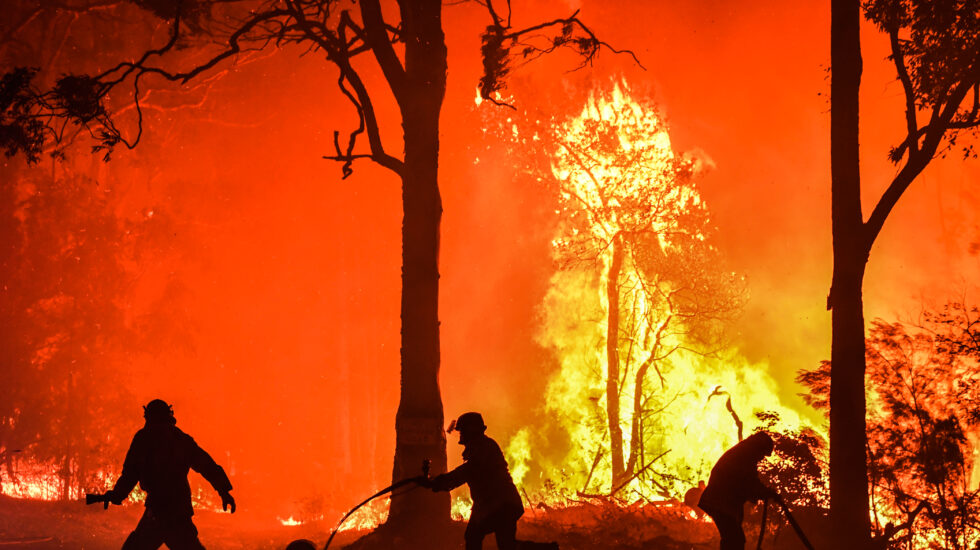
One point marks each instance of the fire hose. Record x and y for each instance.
(397, 485)
(789, 517)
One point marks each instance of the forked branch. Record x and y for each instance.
(500, 39)
(80, 99)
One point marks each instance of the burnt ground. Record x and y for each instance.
(38, 525)
(35, 525)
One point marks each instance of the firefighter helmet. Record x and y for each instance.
(159, 410)
(468, 422)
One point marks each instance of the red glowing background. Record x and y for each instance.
(281, 281)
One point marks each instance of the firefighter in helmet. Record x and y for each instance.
(496, 503)
(734, 481)
(159, 459)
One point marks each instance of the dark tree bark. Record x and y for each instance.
(612, 360)
(419, 420)
(848, 467)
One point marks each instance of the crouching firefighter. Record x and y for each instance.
(159, 459)
(734, 481)
(496, 503)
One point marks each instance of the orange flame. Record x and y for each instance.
(619, 177)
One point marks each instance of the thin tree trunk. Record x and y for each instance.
(636, 426)
(419, 421)
(66, 470)
(66, 473)
(612, 360)
(850, 512)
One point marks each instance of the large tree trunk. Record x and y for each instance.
(612, 364)
(419, 421)
(849, 508)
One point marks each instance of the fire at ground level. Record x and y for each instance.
(588, 525)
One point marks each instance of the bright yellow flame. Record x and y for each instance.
(36, 486)
(461, 505)
(624, 190)
(369, 517)
(638, 188)
(519, 452)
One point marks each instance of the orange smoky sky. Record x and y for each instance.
(282, 281)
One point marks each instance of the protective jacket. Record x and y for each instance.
(159, 459)
(734, 481)
(484, 469)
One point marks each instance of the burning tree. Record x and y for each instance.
(635, 240)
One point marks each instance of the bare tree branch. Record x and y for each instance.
(940, 122)
(376, 35)
(589, 47)
(898, 57)
(500, 38)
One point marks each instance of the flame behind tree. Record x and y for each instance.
(635, 259)
(923, 421)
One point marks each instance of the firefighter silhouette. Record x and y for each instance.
(496, 503)
(159, 459)
(734, 481)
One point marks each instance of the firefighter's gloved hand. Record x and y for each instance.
(438, 483)
(226, 501)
